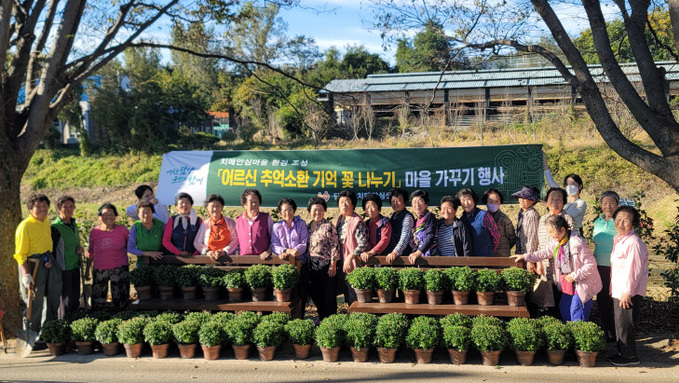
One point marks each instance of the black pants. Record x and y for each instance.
(626, 321)
(120, 287)
(604, 302)
(344, 286)
(323, 291)
(70, 292)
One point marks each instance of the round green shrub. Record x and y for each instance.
(249, 317)
(588, 336)
(223, 317)
(198, 316)
(456, 319)
(525, 334)
(210, 277)
(125, 315)
(107, 331)
(186, 332)
(187, 276)
(456, 337)
(277, 317)
(359, 330)
(83, 329)
(258, 276)
(158, 332)
(170, 317)
(142, 275)
(165, 275)
(411, 278)
(131, 331)
(487, 280)
(516, 279)
(234, 279)
(386, 278)
(557, 336)
(211, 334)
(284, 276)
(424, 333)
(362, 278)
(391, 330)
(489, 338)
(240, 328)
(545, 320)
(300, 331)
(328, 336)
(268, 333)
(56, 331)
(487, 320)
(435, 280)
(462, 278)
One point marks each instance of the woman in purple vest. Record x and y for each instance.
(254, 227)
(482, 227)
(353, 239)
(425, 225)
(181, 229)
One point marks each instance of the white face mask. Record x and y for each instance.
(571, 190)
(492, 208)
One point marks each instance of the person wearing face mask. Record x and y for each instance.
(575, 206)
(481, 226)
(181, 229)
(144, 193)
(493, 199)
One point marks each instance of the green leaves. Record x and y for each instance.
(83, 329)
(391, 330)
(525, 334)
(436, 280)
(186, 332)
(132, 331)
(210, 277)
(516, 279)
(258, 276)
(142, 276)
(362, 278)
(461, 278)
(359, 330)
(211, 334)
(268, 333)
(234, 279)
(284, 276)
(411, 278)
(386, 278)
(456, 337)
(487, 280)
(588, 336)
(56, 331)
(164, 275)
(300, 331)
(107, 331)
(489, 338)
(557, 336)
(158, 332)
(424, 333)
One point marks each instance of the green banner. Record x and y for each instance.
(301, 174)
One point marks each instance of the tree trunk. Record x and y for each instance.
(673, 6)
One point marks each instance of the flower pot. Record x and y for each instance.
(385, 296)
(525, 358)
(516, 298)
(211, 293)
(282, 295)
(412, 297)
(258, 294)
(361, 355)
(160, 350)
(56, 349)
(386, 355)
(166, 292)
(461, 297)
(423, 356)
(235, 295)
(555, 357)
(587, 358)
(84, 348)
(364, 295)
(435, 297)
(486, 298)
(211, 352)
(491, 358)
(266, 353)
(242, 352)
(111, 349)
(133, 350)
(187, 351)
(144, 292)
(330, 354)
(189, 293)
(302, 351)
(457, 356)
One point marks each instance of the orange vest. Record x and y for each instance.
(220, 236)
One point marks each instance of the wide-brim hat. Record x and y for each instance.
(527, 193)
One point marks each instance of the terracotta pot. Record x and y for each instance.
(133, 350)
(302, 351)
(160, 350)
(258, 294)
(266, 353)
(56, 349)
(412, 297)
(386, 355)
(435, 297)
(485, 299)
(211, 293)
(235, 295)
(423, 356)
(364, 295)
(330, 354)
(457, 356)
(187, 351)
(242, 352)
(586, 358)
(385, 296)
(111, 349)
(461, 297)
(516, 298)
(211, 352)
(166, 292)
(84, 348)
(189, 292)
(361, 355)
(144, 292)
(282, 295)
(555, 357)
(525, 358)
(491, 358)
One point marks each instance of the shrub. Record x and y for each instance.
(300, 331)
(223, 317)
(170, 317)
(158, 332)
(327, 335)
(211, 334)
(359, 330)
(284, 276)
(107, 331)
(186, 331)
(545, 320)
(240, 328)
(525, 334)
(588, 336)
(83, 329)
(463, 278)
(267, 334)
(411, 278)
(386, 278)
(489, 338)
(164, 275)
(391, 330)
(199, 316)
(487, 280)
(486, 320)
(557, 336)
(187, 276)
(234, 279)
(142, 275)
(125, 315)
(456, 319)
(56, 331)
(249, 317)
(362, 278)
(131, 331)
(516, 279)
(210, 277)
(456, 337)
(435, 280)
(424, 333)
(277, 317)
(258, 276)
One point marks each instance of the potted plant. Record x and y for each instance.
(423, 335)
(390, 334)
(56, 333)
(211, 335)
(411, 281)
(328, 336)
(589, 340)
(461, 283)
(106, 333)
(278, 317)
(284, 278)
(457, 340)
(486, 282)
(187, 279)
(158, 334)
(258, 277)
(223, 316)
(142, 279)
(517, 282)
(362, 279)
(164, 276)
(436, 283)
(234, 281)
(82, 332)
(300, 332)
(386, 279)
(131, 335)
(267, 336)
(199, 316)
(239, 330)
(490, 341)
(526, 338)
(558, 339)
(210, 280)
(185, 334)
(456, 319)
(487, 320)
(170, 317)
(359, 332)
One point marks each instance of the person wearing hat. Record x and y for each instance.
(527, 225)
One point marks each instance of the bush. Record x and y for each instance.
(328, 335)
(222, 317)
(487, 280)
(545, 320)
(456, 337)
(249, 317)
(56, 331)
(240, 328)
(170, 317)
(125, 315)
(411, 278)
(142, 275)
(132, 331)
(211, 334)
(187, 276)
(456, 319)
(359, 330)
(424, 333)
(158, 332)
(557, 336)
(386, 278)
(186, 332)
(525, 334)
(164, 275)
(199, 316)
(268, 333)
(107, 332)
(489, 338)
(516, 279)
(277, 317)
(83, 329)
(391, 330)
(234, 279)
(258, 276)
(300, 331)
(461, 278)
(284, 276)
(486, 320)
(435, 280)
(210, 277)
(588, 336)
(362, 278)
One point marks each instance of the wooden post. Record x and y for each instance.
(446, 107)
(486, 110)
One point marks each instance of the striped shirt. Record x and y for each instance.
(445, 240)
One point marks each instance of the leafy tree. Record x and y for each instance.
(258, 35)
(429, 50)
(358, 62)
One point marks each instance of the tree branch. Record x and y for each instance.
(42, 41)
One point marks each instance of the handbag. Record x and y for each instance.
(542, 294)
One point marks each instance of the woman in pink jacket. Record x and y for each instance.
(576, 271)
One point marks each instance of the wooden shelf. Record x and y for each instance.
(445, 309)
(200, 305)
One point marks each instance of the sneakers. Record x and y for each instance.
(621, 361)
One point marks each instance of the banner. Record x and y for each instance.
(301, 174)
